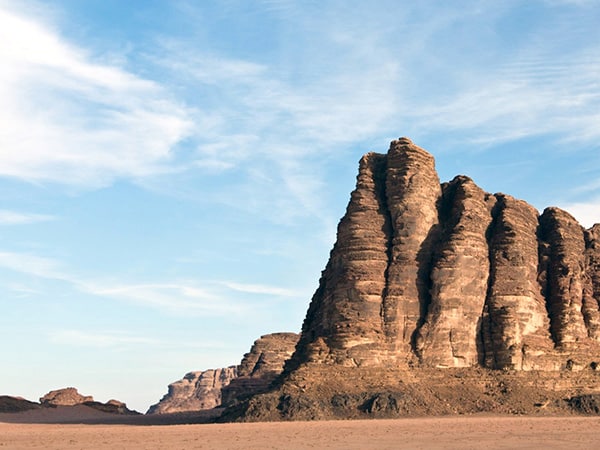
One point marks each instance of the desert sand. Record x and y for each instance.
(491, 432)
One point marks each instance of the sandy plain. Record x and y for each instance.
(466, 432)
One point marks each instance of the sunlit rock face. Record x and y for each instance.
(260, 366)
(65, 397)
(196, 391)
(446, 275)
(213, 388)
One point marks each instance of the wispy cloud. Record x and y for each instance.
(35, 265)
(209, 298)
(260, 289)
(171, 297)
(19, 218)
(71, 119)
(342, 76)
(98, 339)
(530, 97)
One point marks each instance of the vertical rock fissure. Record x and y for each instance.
(543, 276)
(380, 187)
(486, 350)
(424, 283)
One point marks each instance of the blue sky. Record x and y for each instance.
(172, 172)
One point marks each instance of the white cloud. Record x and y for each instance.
(69, 119)
(37, 266)
(587, 213)
(17, 218)
(260, 289)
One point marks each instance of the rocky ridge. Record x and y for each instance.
(12, 404)
(428, 278)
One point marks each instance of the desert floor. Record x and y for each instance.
(517, 432)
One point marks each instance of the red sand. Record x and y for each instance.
(475, 432)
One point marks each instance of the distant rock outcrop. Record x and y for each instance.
(70, 397)
(428, 278)
(112, 407)
(9, 404)
(65, 397)
(216, 387)
(196, 391)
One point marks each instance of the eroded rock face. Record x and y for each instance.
(196, 391)
(65, 397)
(412, 191)
(216, 387)
(260, 366)
(343, 322)
(449, 276)
(459, 278)
(515, 318)
(562, 239)
(591, 293)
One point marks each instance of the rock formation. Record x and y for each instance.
(260, 366)
(71, 397)
(215, 387)
(426, 279)
(196, 391)
(451, 276)
(65, 397)
(10, 404)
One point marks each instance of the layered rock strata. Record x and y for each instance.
(196, 391)
(213, 388)
(260, 366)
(449, 276)
(458, 278)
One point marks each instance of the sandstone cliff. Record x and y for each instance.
(260, 366)
(448, 275)
(441, 298)
(196, 391)
(216, 387)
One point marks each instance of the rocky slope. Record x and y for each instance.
(428, 278)
(10, 404)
